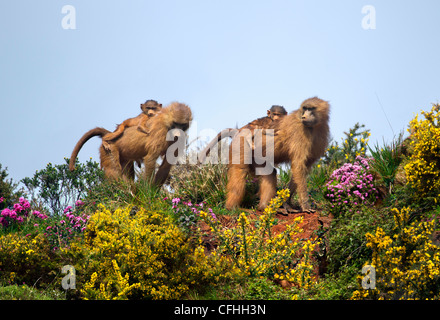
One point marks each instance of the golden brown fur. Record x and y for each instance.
(133, 145)
(275, 113)
(149, 109)
(300, 139)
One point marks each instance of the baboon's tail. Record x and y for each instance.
(221, 135)
(89, 134)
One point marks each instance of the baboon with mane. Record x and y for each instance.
(275, 113)
(134, 145)
(149, 109)
(300, 139)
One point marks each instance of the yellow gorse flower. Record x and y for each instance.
(406, 264)
(423, 169)
(143, 255)
(255, 251)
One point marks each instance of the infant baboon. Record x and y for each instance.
(275, 113)
(149, 109)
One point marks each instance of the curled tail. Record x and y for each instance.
(89, 134)
(223, 134)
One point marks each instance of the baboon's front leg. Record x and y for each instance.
(298, 184)
(149, 166)
(162, 173)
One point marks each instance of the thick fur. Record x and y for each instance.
(134, 145)
(275, 113)
(300, 139)
(149, 109)
(89, 134)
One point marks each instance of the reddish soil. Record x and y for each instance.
(311, 224)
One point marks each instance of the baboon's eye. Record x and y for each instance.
(182, 126)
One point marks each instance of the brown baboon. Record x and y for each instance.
(149, 109)
(300, 139)
(133, 145)
(275, 113)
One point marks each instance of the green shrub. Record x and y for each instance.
(346, 237)
(57, 187)
(197, 183)
(27, 259)
(8, 193)
(386, 161)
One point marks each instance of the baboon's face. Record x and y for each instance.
(308, 115)
(276, 112)
(181, 126)
(277, 115)
(151, 108)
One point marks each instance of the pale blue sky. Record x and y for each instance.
(228, 60)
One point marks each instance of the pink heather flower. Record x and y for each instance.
(18, 207)
(176, 200)
(2, 199)
(19, 219)
(68, 208)
(212, 214)
(36, 225)
(79, 203)
(24, 203)
(5, 212)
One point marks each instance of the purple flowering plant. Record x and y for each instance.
(20, 212)
(350, 186)
(59, 230)
(186, 213)
(72, 223)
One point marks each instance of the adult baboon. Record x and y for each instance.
(300, 138)
(275, 113)
(149, 109)
(134, 145)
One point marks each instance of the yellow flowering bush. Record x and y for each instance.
(423, 169)
(255, 251)
(407, 264)
(139, 255)
(117, 281)
(27, 259)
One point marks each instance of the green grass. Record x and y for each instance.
(24, 292)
